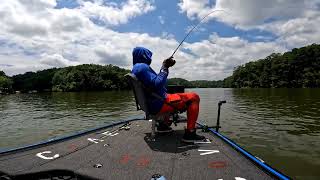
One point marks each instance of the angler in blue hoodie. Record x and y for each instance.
(142, 58)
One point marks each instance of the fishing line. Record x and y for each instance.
(194, 28)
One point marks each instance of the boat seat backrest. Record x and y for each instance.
(139, 93)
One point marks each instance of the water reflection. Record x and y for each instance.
(293, 110)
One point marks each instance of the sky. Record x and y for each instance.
(42, 34)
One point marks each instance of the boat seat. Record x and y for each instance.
(140, 91)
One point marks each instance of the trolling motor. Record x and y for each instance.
(206, 128)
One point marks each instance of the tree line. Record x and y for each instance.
(299, 68)
(90, 77)
(86, 77)
(196, 83)
(294, 69)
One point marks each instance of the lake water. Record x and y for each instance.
(280, 126)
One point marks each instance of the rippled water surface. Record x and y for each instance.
(280, 126)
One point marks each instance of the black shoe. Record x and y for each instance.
(190, 137)
(163, 128)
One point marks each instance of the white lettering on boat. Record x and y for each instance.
(239, 178)
(95, 140)
(207, 151)
(107, 133)
(40, 155)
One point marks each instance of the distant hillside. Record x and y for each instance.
(88, 77)
(195, 84)
(39, 81)
(295, 69)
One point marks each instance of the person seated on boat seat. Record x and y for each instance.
(142, 58)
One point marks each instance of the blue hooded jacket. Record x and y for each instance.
(156, 82)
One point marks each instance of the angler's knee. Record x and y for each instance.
(195, 97)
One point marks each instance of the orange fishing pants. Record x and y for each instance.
(183, 101)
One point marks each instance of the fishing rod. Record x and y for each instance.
(194, 28)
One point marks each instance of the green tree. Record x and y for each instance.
(5, 83)
(195, 84)
(297, 68)
(90, 77)
(40, 80)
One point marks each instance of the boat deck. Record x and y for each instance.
(118, 153)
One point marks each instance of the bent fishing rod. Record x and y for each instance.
(194, 28)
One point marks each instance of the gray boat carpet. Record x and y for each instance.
(130, 154)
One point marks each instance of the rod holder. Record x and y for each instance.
(218, 118)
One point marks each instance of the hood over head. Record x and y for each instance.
(141, 55)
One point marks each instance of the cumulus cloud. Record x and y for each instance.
(36, 5)
(56, 60)
(19, 63)
(113, 14)
(112, 56)
(298, 31)
(248, 13)
(195, 8)
(15, 18)
(217, 56)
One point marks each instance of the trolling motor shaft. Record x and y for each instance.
(206, 128)
(218, 117)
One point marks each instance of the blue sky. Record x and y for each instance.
(41, 34)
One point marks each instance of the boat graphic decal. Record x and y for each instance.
(107, 133)
(40, 155)
(207, 151)
(95, 140)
